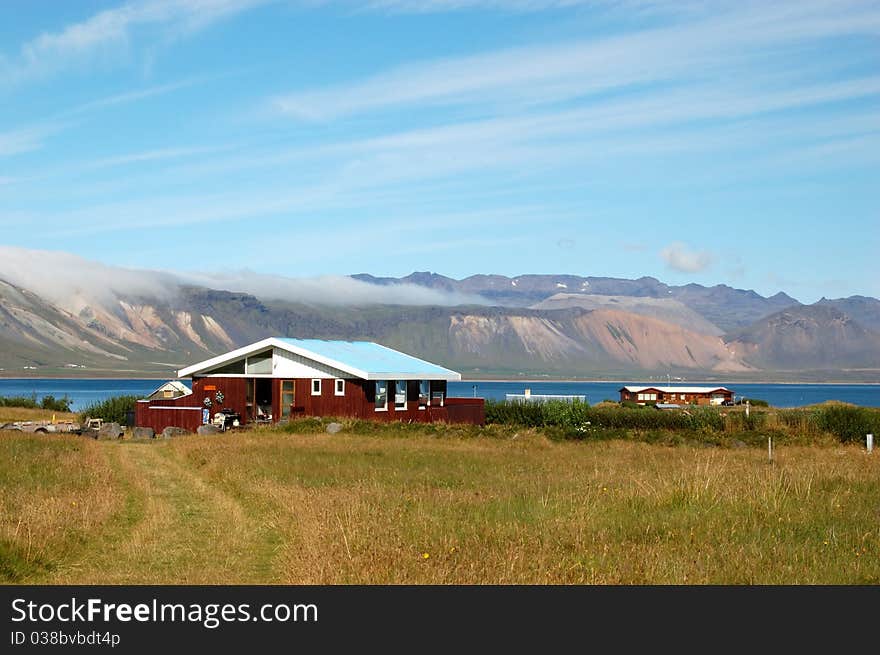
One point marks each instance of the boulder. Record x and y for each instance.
(111, 431)
(333, 428)
(172, 431)
(208, 429)
(143, 433)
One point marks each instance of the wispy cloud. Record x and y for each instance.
(680, 258)
(692, 50)
(26, 139)
(102, 36)
(128, 97)
(32, 137)
(518, 6)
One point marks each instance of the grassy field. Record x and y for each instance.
(10, 414)
(403, 506)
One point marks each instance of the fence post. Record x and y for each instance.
(869, 442)
(770, 449)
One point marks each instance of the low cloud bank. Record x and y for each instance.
(328, 289)
(71, 281)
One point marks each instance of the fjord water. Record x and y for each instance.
(83, 392)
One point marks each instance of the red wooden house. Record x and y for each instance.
(677, 395)
(279, 378)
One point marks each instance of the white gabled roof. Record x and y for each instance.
(176, 385)
(362, 359)
(676, 389)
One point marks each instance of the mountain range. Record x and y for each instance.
(529, 325)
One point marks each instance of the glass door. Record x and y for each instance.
(250, 400)
(287, 397)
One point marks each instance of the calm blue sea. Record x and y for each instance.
(86, 391)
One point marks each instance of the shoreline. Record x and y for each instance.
(648, 382)
(506, 381)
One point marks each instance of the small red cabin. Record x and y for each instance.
(278, 379)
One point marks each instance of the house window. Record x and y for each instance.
(641, 396)
(424, 394)
(286, 397)
(339, 389)
(260, 364)
(400, 394)
(316, 387)
(381, 395)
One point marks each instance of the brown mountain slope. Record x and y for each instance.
(607, 339)
(807, 336)
(664, 309)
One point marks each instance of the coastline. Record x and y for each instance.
(658, 382)
(632, 380)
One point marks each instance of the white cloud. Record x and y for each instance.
(680, 258)
(104, 35)
(68, 280)
(327, 289)
(72, 282)
(25, 139)
(543, 74)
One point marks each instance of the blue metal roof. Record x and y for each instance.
(373, 359)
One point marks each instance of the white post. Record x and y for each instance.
(747, 408)
(770, 449)
(869, 442)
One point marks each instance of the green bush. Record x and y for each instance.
(20, 401)
(48, 402)
(849, 423)
(576, 417)
(113, 409)
(56, 405)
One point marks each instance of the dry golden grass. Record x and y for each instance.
(11, 414)
(269, 507)
(56, 493)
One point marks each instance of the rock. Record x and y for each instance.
(738, 444)
(172, 431)
(208, 429)
(143, 433)
(333, 428)
(111, 431)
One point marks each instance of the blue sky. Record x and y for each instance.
(721, 142)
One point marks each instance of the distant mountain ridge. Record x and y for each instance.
(721, 305)
(557, 325)
(817, 336)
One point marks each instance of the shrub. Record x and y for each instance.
(19, 401)
(848, 423)
(113, 409)
(48, 402)
(575, 417)
(56, 405)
